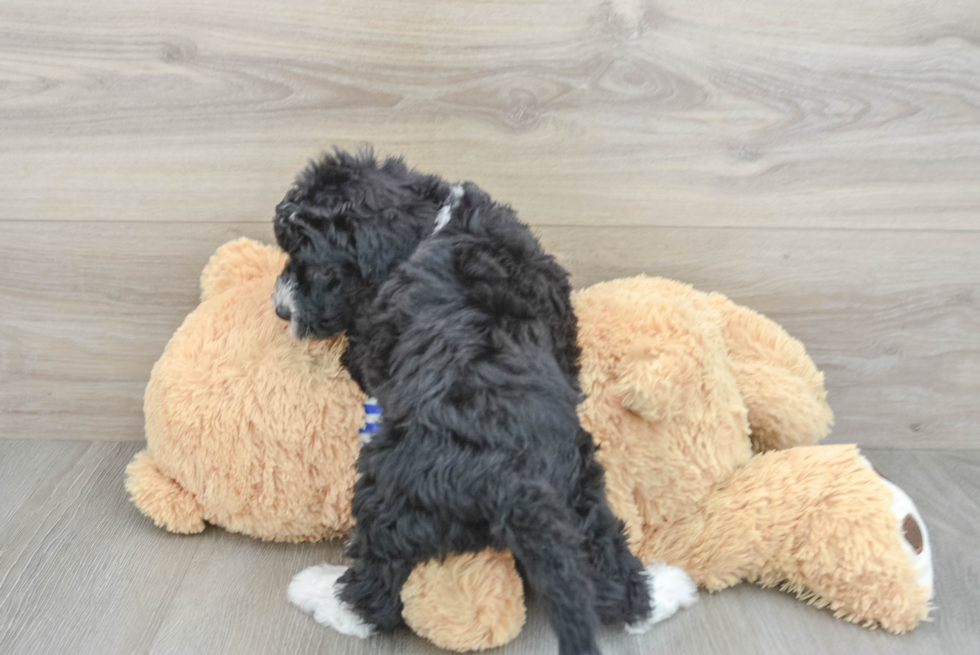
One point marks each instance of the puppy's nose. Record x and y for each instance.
(283, 312)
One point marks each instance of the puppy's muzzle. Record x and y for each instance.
(282, 299)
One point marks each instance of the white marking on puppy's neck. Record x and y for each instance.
(446, 211)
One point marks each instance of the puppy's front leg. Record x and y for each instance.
(358, 601)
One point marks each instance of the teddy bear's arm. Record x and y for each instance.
(239, 261)
(162, 498)
(782, 388)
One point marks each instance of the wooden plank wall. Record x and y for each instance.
(816, 160)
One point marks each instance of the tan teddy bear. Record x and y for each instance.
(705, 413)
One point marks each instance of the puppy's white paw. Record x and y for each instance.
(315, 591)
(670, 590)
(309, 587)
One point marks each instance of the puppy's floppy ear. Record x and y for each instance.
(378, 250)
(291, 227)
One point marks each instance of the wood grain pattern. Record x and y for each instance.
(28, 474)
(761, 113)
(892, 320)
(82, 572)
(818, 162)
(76, 567)
(91, 308)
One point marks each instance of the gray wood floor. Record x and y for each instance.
(82, 572)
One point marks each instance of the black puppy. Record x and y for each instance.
(463, 329)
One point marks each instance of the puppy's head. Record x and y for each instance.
(346, 223)
(318, 289)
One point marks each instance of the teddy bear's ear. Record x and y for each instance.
(237, 262)
(656, 377)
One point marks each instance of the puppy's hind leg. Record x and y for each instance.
(626, 592)
(622, 594)
(539, 531)
(372, 586)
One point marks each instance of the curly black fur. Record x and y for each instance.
(468, 339)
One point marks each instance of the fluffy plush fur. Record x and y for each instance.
(262, 455)
(255, 432)
(467, 337)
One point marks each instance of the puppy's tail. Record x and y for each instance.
(539, 532)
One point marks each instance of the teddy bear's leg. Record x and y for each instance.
(469, 601)
(162, 498)
(239, 261)
(782, 388)
(817, 521)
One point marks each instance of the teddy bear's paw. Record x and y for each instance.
(316, 591)
(671, 589)
(914, 537)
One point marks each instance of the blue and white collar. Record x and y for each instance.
(372, 420)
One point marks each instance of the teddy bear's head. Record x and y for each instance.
(257, 430)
